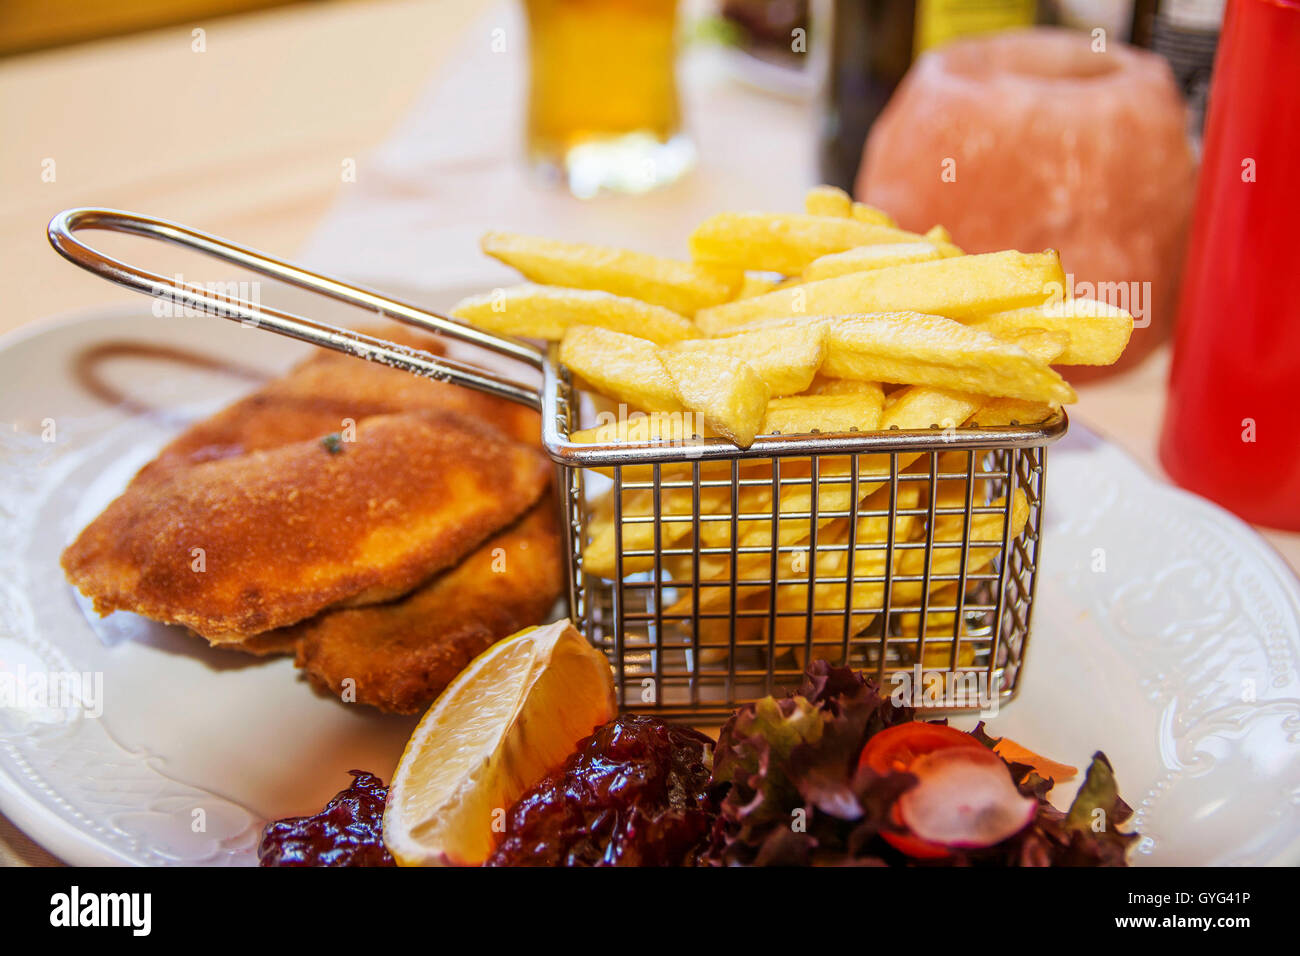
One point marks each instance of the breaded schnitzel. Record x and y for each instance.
(323, 393)
(241, 545)
(402, 654)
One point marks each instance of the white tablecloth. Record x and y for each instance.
(455, 167)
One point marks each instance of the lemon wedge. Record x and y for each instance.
(513, 715)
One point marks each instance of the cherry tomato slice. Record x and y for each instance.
(914, 846)
(894, 749)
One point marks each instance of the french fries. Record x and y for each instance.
(833, 201)
(931, 350)
(756, 284)
(1097, 332)
(908, 564)
(1042, 345)
(958, 287)
(786, 361)
(938, 234)
(726, 390)
(752, 574)
(921, 407)
(1001, 412)
(600, 556)
(867, 597)
(864, 213)
(866, 258)
(547, 312)
(828, 201)
(681, 287)
(676, 427)
(784, 243)
(821, 385)
(826, 322)
(824, 414)
(621, 366)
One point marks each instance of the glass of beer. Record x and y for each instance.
(603, 111)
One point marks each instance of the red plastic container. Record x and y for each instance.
(1232, 424)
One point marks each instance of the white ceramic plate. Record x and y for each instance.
(1179, 659)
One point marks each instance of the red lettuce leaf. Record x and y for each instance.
(794, 795)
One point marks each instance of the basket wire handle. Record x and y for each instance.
(417, 361)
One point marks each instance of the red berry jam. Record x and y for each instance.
(348, 832)
(636, 793)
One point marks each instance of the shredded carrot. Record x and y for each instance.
(1012, 752)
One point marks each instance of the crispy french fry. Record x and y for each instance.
(825, 414)
(785, 360)
(682, 287)
(866, 258)
(676, 520)
(754, 575)
(723, 388)
(786, 323)
(828, 201)
(869, 595)
(1042, 345)
(781, 242)
(828, 633)
(937, 233)
(672, 427)
(547, 312)
(930, 350)
(1000, 412)
(675, 523)
(756, 284)
(1098, 332)
(951, 492)
(938, 623)
(821, 385)
(946, 561)
(864, 213)
(621, 366)
(938, 653)
(959, 287)
(792, 596)
(715, 633)
(917, 406)
(834, 494)
(833, 201)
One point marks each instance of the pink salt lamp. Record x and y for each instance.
(1044, 138)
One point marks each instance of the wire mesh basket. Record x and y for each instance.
(910, 555)
(709, 574)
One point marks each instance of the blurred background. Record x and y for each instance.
(378, 138)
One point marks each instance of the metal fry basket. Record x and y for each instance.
(709, 574)
(912, 555)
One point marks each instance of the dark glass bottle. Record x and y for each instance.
(1186, 33)
(873, 43)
